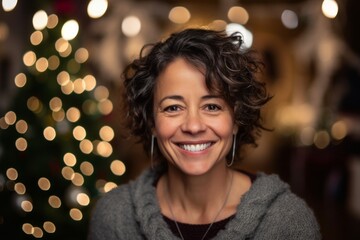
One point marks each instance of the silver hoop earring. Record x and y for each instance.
(152, 151)
(233, 152)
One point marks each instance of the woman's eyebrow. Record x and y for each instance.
(173, 97)
(181, 98)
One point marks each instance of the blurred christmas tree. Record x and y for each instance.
(56, 155)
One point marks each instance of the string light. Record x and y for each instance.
(179, 15)
(86, 168)
(97, 8)
(106, 133)
(330, 8)
(131, 26)
(40, 20)
(289, 19)
(238, 15)
(29, 58)
(49, 227)
(70, 29)
(117, 167)
(9, 5)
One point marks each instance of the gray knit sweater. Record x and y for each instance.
(267, 211)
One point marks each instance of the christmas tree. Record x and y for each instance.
(56, 154)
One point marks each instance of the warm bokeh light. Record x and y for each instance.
(67, 173)
(55, 104)
(21, 126)
(117, 167)
(104, 149)
(61, 45)
(339, 130)
(29, 58)
(86, 146)
(238, 15)
(90, 82)
(10, 117)
(289, 19)
(330, 8)
(63, 78)
(53, 21)
(3, 124)
(109, 186)
(105, 107)
(9, 5)
(49, 227)
(76, 214)
(44, 184)
(54, 62)
(81, 55)
(86, 168)
(28, 228)
(54, 201)
(97, 8)
(38, 232)
(218, 25)
(34, 104)
(20, 80)
(78, 179)
(41, 64)
(101, 93)
(69, 159)
(83, 199)
(49, 133)
(106, 133)
(79, 86)
(40, 20)
(36, 38)
(21, 144)
(12, 174)
(131, 26)
(68, 88)
(73, 114)
(20, 188)
(26, 205)
(321, 139)
(70, 29)
(59, 115)
(179, 15)
(79, 133)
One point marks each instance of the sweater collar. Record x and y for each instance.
(250, 211)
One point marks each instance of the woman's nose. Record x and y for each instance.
(193, 123)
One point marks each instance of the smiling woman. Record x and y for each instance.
(195, 101)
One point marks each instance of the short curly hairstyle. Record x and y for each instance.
(230, 71)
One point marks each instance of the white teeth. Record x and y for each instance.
(195, 147)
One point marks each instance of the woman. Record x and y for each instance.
(194, 101)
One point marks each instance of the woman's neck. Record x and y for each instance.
(194, 199)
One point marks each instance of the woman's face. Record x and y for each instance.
(194, 129)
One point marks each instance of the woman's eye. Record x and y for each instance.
(212, 107)
(172, 108)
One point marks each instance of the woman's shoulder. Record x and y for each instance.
(286, 214)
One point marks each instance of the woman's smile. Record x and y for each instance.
(199, 147)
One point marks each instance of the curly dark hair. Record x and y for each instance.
(230, 71)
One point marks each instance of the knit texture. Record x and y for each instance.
(269, 210)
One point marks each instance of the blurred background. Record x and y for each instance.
(62, 144)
